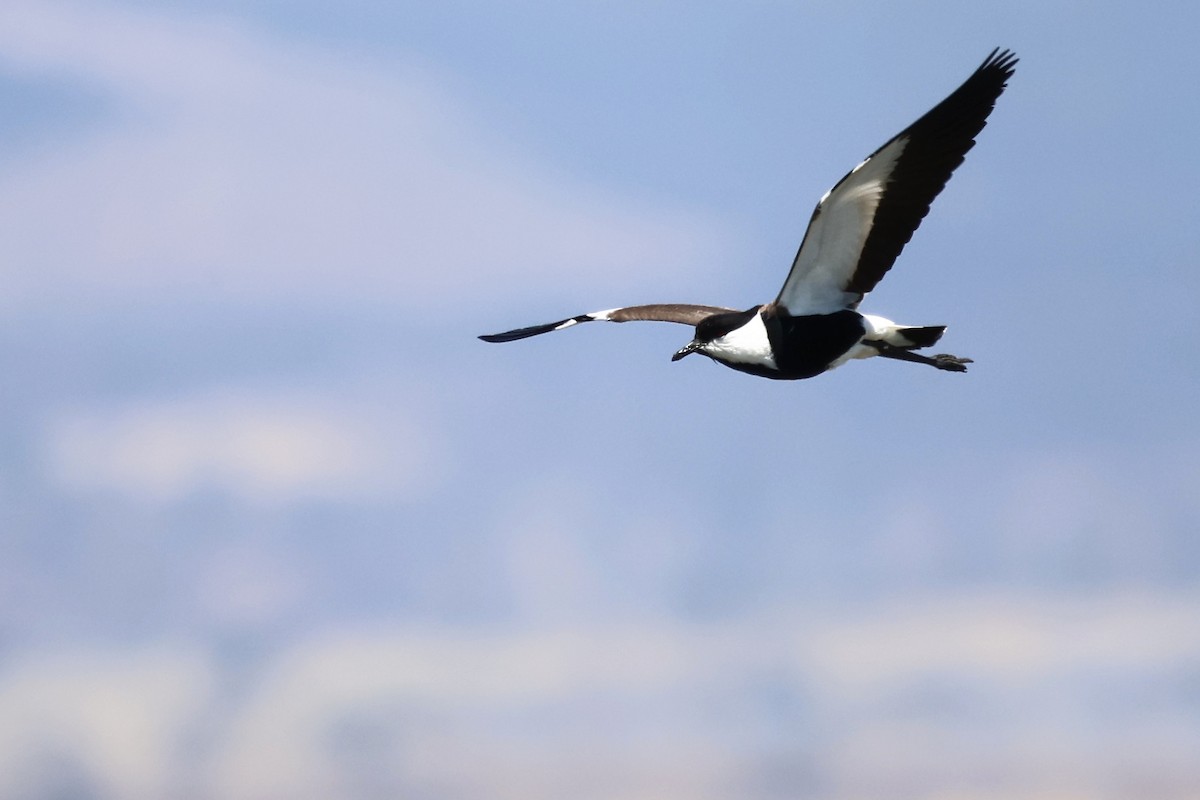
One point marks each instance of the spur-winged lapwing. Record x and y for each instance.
(856, 232)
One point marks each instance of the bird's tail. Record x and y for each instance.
(916, 338)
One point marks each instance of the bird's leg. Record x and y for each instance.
(941, 360)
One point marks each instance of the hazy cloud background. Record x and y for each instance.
(274, 524)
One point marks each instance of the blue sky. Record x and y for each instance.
(273, 523)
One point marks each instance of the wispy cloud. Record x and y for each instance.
(974, 690)
(99, 723)
(271, 447)
(237, 165)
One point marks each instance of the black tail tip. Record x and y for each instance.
(923, 337)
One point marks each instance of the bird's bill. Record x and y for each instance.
(687, 349)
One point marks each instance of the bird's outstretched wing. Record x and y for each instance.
(860, 226)
(666, 312)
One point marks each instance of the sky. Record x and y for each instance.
(275, 524)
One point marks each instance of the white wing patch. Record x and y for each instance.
(834, 241)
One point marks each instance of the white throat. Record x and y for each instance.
(748, 344)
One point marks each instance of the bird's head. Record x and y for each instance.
(711, 328)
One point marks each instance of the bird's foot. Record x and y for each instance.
(951, 363)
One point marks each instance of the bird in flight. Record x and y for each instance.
(855, 234)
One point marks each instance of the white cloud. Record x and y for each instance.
(1049, 695)
(268, 448)
(1002, 640)
(92, 723)
(435, 701)
(633, 710)
(239, 165)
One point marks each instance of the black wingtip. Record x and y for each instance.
(533, 330)
(1001, 59)
(519, 333)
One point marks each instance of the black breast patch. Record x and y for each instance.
(806, 346)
